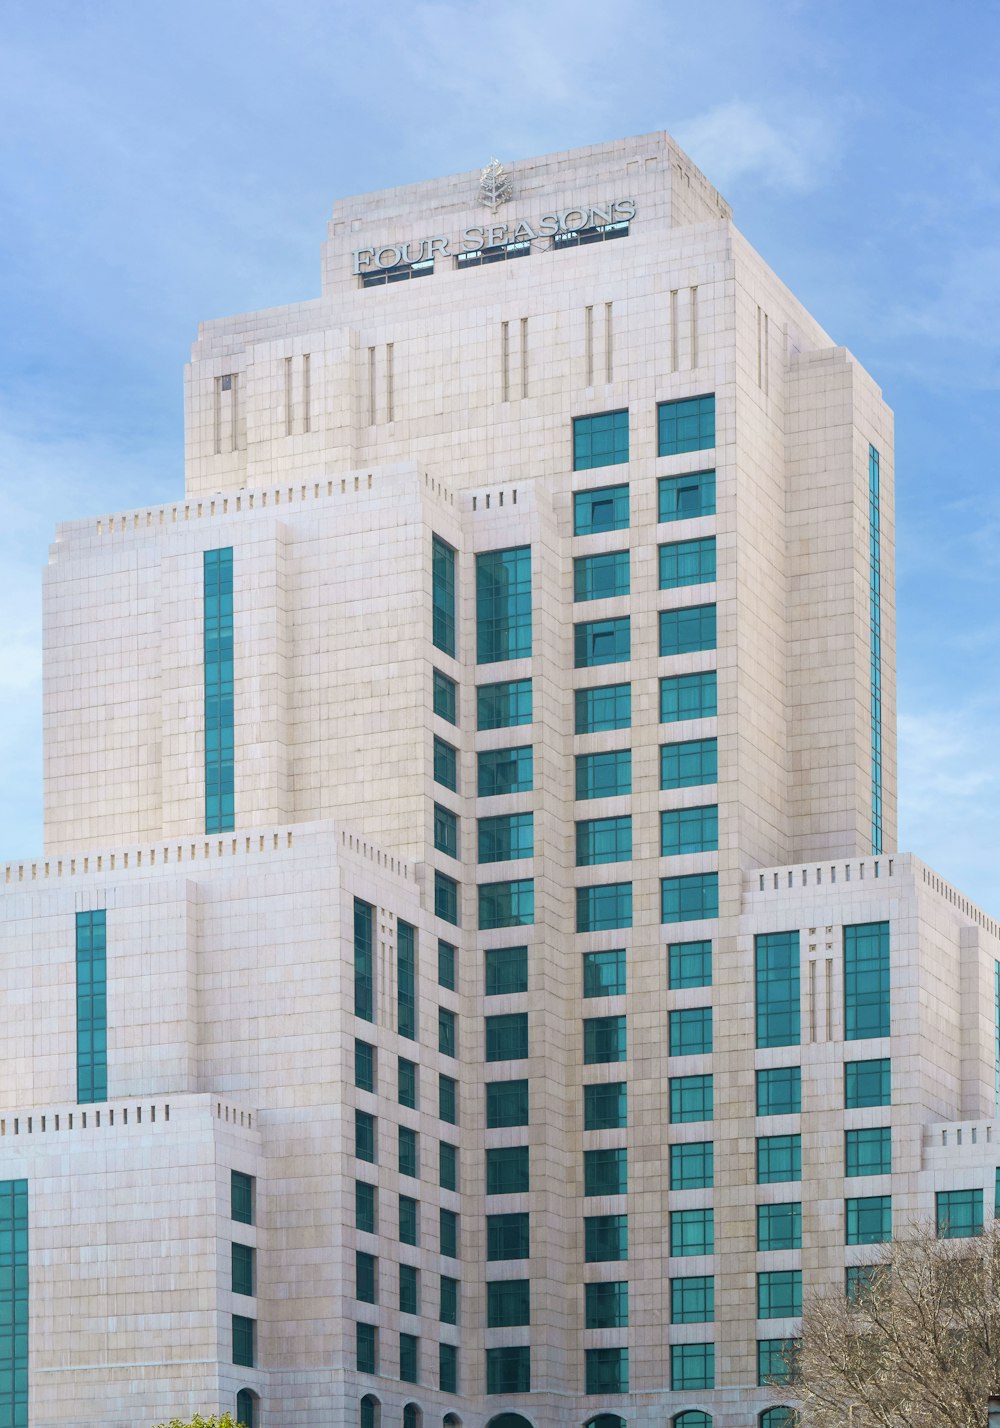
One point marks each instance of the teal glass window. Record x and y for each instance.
(220, 808)
(244, 1340)
(604, 775)
(689, 964)
(690, 763)
(687, 629)
(688, 696)
(682, 498)
(409, 1355)
(861, 1279)
(875, 640)
(779, 1227)
(603, 1040)
(689, 898)
(686, 425)
(506, 837)
(14, 1306)
(959, 1214)
(364, 960)
(365, 1141)
(445, 764)
(776, 1361)
(507, 1170)
(448, 1300)
(601, 577)
(409, 1220)
(505, 771)
(866, 980)
(868, 1083)
(510, 904)
(779, 1158)
(606, 1370)
(91, 1007)
(443, 563)
(690, 1031)
(447, 1165)
(447, 1032)
(604, 973)
(692, 1366)
(776, 965)
(693, 1418)
(692, 1299)
(506, 1103)
(779, 1294)
(364, 1065)
(605, 1172)
(365, 1207)
(605, 1106)
(868, 1151)
(503, 605)
(692, 1165)
(606, 706)
(503, 705)
(608, 905)
(508, 1303)
(445, 697)
(507, 1236)
(689, 830)
(605, 1237)
(600, 440)
(406, 1082)
(691, 1099)
(779, 1091)
(778, 1418)
(692, 1232)
(409, 1289)
(409, 1152)
(508, 1369)
(406, 972)
(507, 1037)
(448, 1233)
(506, 971)
(445, 905)
(365, 1277)
(603, 840)
(687, 562)
(445, 830)
(366, 1348)
(246, 1408)
(241, 1197)
(446, 965)
(448, 1099)
(606, 1304)
(448, 1368)
(602, 642)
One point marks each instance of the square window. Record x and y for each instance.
(503, 705)
(502, 771)
(689, 964)
(505, 837)
(603, 840)
(603, 1040)
(687, 562)
(606, 1370)
(506, 971)
(692, 1299)
(508, 1369)
(692, 1232)
(861, 1279)
(507, 1236)
(604, 906)
(867, 1083)
(604, 706)
(692, 1165)
(779, 1091)
(685, 498)
(605, 1237)
(868, 1151)
(605, 1172)
(507, 1170)
(688, 764)
(506, 1104)
(779, 1158)
(604, 509)
(604, 775)
(692, 1366)
(604, 973)
(779, 1227)
(508, 1303)
(686, 425)
(507, 1037)
(688, 696)
(597, 642)
(600, 440)
(868, 1219)
(959, 1214)
(691, 1031)
(601, 577)
(691, 1099)
(605, 1106)
(606, 1305)
(779, 1294)
(687, 630)
(693, 897)
(776, 1361)
(689, 830)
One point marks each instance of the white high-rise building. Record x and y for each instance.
(466, 982)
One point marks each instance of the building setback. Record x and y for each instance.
(468, 981)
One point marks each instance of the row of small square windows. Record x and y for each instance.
(508, 703)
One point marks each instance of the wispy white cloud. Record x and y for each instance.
(782, 147)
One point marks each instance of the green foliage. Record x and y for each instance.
(225, 1420)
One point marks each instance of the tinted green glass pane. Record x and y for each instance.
(692, 1366)
(605, 1172)
(445, 830)
(868, 1151)
(604, 775)
(776, 1360)
(689, 830)
(687, 630)
(597, 642)
(606, 1305)
(503, 605)
(503, 705)
(507, 1170)
(605, 1237)
(506, 837)
(446, 965)
(503, 771)
(692, 1165)
(448, 1099)
(409, 1153)
(448, 1233)
(600, 440)
(508, 1370)
(776, 963)
(445, 697)
(866, 980)
(448, 1300)
(687, 562)
(241, 1196)
(409, 1352)
(604, 973)
(603, 1040)
(689, 964)
(447, 1165)
(218, 690)
(692, 1299)
(445, 907)
(604, 509)
(959, 1214)
(779, 1157)
(447, 1032)
(510, 904)
(601, 577)
(681, 498)
(14, 1298)
(365, 1205)
(365, 1277)
(691, 1099)
(686, 425)
(608, 905)
(406, 1082)
(688, 764)
(779, 1227)
(779, 1091)
(91, 1007)
(508, 1303)
(364, 1065)
(364, 1136)
(443, 561)
(779, 1294)
(778, 1418)
(603, 840)
(606, 1370)
(244, 1334)
(692, 1232)
(507, 1037)
(364, 968)
(690, 898)
(860, 1279)
(409, 1289)
(688, 696)
(506, 970)
(448, 1368)
(607, 706)
(409, 1221)
(690, 1031)
(366, 1354)
(445, 764)
(868, 1083)
(406, 969)
(605, 1106)
(507, 1236)
(506, 1103)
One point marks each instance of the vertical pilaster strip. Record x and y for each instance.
(875, 630)
(14, 1303)
(91, 1009)
(218, 648)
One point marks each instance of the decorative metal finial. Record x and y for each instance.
(495, 185)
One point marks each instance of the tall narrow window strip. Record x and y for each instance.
(220, 809)
(776, 960)
(866, 981)
(443, 595)
(91, 1008)
(406, 979)
(14, 1303)
(875, 631)
(503, 605)
(364, 960)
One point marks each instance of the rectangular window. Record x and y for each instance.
(506, 1103)
(365, 1277)
(508, 1369)
(605, 1237)
(364, 1065)
(600, 440)
(445, 904)
(688, 696)
(448, 1233)
(959, 1214)
(241, 1197)
(692, 1366)
(779, 1227)
(692, 1232)
(366, 1352)
(365, 1207)
(406, 974)
(779, 1158)
(605, 1106)
(448, 1300)
(445, 830)
(776, 965)
(689, 830)
(776, 1361)
(690, 898)
(691, 1099)
(503, 705)
(688, 629)
(866, 980)
(692, 1165)
(606, 1304)
(507, 1170)
(409, 1289)
(409, 1220)
(604, 973)
(603, 1040)
(503, 605)
(91, 1007)
(682, 498)
(868, 1083)
(779, 1091)
(506, 971)
(507, 1236)
(505, 771)
(446, 965)
(14, 1309)
(443, 561)
(779, 1294)
(445, 764)
(689, 964)
(604, 775)
(861, 1279)
(507, 1037)
(448, 1099)
(608, 905)
(506, 837)
(687, 562)
(690, 1031)
(868, 1151)
(688, 764)
(508, 1303)
(447, 1165)
(603, 840)
(409, 1354)
(406, 1082)
(605, 1172)
(606, 1370)
(244, 1340)
(409, 1152)
(447, 1032)
(445, 697)
(364, 960)
(605, 509)
(692, 1299)
(607, 706)
(510, 904)
(364, 1136)
(602, 642)
(601, 577)
(686, 425)
(220, 808)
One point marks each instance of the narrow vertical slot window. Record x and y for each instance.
(218, 662)
(91, 1008)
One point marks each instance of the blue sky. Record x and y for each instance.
(166, 163)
